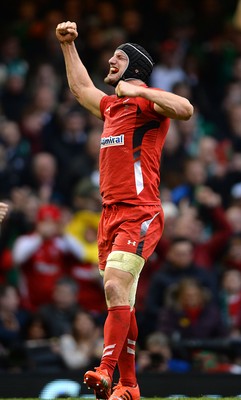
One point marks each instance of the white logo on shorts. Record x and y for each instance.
(130, 242)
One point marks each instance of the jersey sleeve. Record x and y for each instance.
(147, 106)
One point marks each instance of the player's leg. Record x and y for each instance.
(126, 361)
(127, 385)
(121, 274)
(121, 269)
(151, 228)
(100, 380)
(118, 282)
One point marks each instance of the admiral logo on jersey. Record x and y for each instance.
(112, 141)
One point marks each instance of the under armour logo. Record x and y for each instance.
(130, 242)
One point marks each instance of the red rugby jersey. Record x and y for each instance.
(131, 145)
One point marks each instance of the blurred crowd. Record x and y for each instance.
(52, 304)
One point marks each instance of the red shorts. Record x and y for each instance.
(135, 229)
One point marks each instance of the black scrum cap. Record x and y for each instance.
(140, 62)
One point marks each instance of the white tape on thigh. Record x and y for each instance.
(128, 262)
(132, 295)
(125, 261)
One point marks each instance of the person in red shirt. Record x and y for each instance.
(230, 301)
(136, 122)
(40, 257)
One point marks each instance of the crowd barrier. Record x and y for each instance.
(70, 384)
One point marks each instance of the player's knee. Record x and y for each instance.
(115, 292)
(111, 287)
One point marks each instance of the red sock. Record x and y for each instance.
(116, 327)
(126, 362)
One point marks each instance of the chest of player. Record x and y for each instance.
(121, 112)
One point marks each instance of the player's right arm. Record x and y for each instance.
(79, 80)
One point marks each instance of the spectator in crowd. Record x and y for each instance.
(84, 169)
(13, 318)
(231, 253)
(11, 55)
(133, 26)
(233, 214)
(202, 221)
(230, 301)
(189, 313)
(179, 264)
(61, 308)
(41, 351)
(208, 154)
(45, 75)
(40, 256)
(5, 174)
(194, 177)
(23, 205)
(227, 184)
(39, 118)
(44, 179)
(233, 117)
(168, 70)
(158, 356)
(68, 143)
(83, 226)
(17, 150)
(14, 97)
(86, 195)
(231, 256)
(14, 68)
(194, 325)
(83, 345)
(173, 158)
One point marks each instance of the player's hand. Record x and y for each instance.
(124, 89)
(66, 32)
(3, 211)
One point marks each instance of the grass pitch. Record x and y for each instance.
(144, 398)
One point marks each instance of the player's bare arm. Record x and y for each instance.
(79, 80)
(165, 103)
(3, 211)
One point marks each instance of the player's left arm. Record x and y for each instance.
(165, 103)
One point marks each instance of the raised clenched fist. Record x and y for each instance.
(66, 32)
